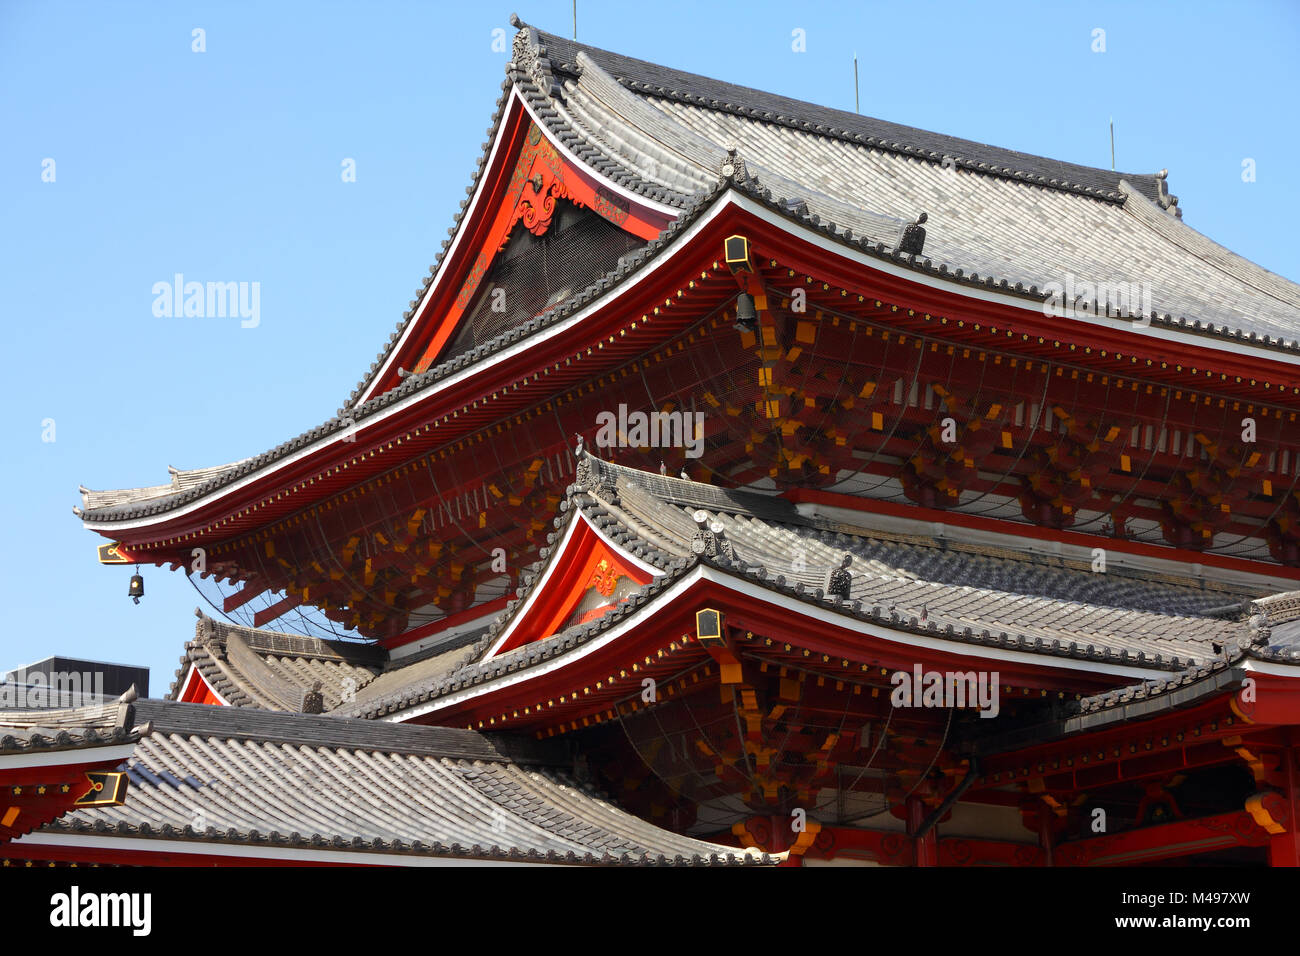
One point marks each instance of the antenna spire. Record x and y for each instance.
(856, 106)
(1112, 140)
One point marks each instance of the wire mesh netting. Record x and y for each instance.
(533, 273)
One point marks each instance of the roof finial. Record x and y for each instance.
(732, 166)
(577, 449)
(857, 108)
(1163, 196)
(840, 581)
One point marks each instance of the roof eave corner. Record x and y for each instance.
(1164, 200)
(528, 56)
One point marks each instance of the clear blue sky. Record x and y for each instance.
(225, 165)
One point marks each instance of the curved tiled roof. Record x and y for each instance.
(957, 590)
(563, 59)
(665, 134)
(212, 776)
(970, 594)
(71, 728)
(250, 667)
(1184, 688)
(474, 671)
(996, 218)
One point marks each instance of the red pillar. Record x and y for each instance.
(1284, 847)
(1045, 833)
(927, 847)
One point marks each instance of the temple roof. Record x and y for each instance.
(968, 593)
(269, 670)
(45, 730)
(235, 781)
(998, 220)
(1273, 639)
(1007, 214)
(994, 215)
(250, 667)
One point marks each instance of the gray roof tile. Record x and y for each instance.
(238, 778)
(251, 667)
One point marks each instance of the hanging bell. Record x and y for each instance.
(746, 314)
(136, 589)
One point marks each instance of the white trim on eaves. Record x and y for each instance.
(148, 847)
(71, 755)
(754, 593)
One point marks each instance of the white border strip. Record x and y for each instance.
(73, 755)
(1272, 668)
(145, 845)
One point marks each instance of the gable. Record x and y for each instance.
(584, 581)
(534, 271)
(197, 690)
(535, 211)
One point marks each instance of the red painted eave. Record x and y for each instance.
(420, 427)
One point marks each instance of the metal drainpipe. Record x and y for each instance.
(928, 823)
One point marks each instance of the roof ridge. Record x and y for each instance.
(700, 90)
(286, 643)
(324, 731)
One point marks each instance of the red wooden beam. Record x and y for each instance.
(250, 590)
(279, 608)
(1165, 842)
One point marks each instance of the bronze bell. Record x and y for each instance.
(136, 589)
(746, 314)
